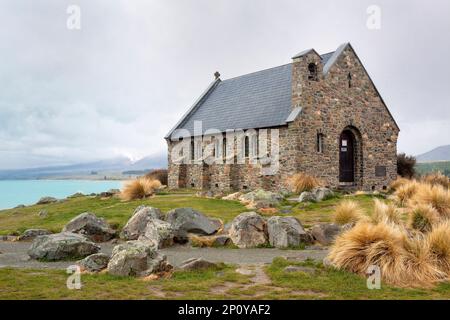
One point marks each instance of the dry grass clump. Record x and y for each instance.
(439, 243)
(436, 196)
(422, 217)
(347, 211)
(139, 189)
(394, 185)
(437, 179)
(386, 213)
(158, 174)
(300, 182)
(405, 192)
(368, 244)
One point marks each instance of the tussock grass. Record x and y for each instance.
(405, 192)
(139, 189)
(422, 217)
(437, 179)
(436, 196)
(386, 213)
(347, 211)
(439, 243)
(300, 182)
(398, 183)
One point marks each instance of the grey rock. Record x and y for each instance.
(159, 232)
(307, 196)
(88, 224)
(187, 220)
(303, 269)
(43, 214)
(20, 206)
(325, 233)
(47, 200)
(135, 227)
(221, 240)
(261, 199)
(248, 230)
(286, 232)
(95, 262)
(137, 258)
(61, 246)
(322, 193)
(30, 234)
(197, 264)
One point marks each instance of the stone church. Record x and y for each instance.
(320, 114)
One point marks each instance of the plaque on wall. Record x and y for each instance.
(380, 171)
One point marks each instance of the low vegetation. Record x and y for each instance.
(348, 211)
(303, 182)
(408, 239)
(139, 188)
(159, 174)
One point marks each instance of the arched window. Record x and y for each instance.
(349, 78)
(224, 148)
(246, 146)
(192, 149)
(312, 68)
(320, 138)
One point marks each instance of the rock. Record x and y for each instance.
(218, 224)
(159, 232)
(322, 193)
(197, 264)
(187, 220)
(61, 246)
(226, 228)
(307, 196)
(47, 200)
(43, 213)
(325, 233)
(286, 210)
(76, 195)
(95, 262)
(135, 227)
(261, 198)
(233, 196)
(20, 206)
(88, 224)
(221, 240)
(108, 194)
(30, 234)
(307, 270)
(286, 232)
(268, 211)
(137, 258)
(261, 204)
(248, 230)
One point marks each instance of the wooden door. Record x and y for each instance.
(346, 157)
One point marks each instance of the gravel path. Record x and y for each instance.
(14, 254)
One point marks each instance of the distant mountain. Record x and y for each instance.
(108, 167)
(441, 153)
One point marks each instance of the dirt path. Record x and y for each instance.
(14, 254)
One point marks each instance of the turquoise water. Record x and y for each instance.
(15, 192)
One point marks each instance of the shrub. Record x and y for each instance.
(437, 179)
(422, 217)
(300, 182)
(439, 242)
(436, 196)
(386, 213)
(139, 189)
(347, 211)
(158, 174)
(406, 192)
(405, 165)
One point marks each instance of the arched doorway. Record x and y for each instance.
(347, 144)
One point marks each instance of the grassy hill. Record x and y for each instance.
(427, 167)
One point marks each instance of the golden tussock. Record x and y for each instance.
(386, 213)
(300, 182)
(437, 179)
(347, 211)
(139, 189)
(422, 217)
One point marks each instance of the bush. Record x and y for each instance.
(158, 174)
(139, 189)
(300, 182)
(405, 165)
(347, 211)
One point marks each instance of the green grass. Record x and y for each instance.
(429, 167)
(117, 212)
(223, 283)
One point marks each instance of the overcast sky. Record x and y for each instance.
(117, 85)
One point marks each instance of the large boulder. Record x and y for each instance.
(135, 227)
(88, 224)
(137, 258)
(248, 230)
(47, 200)
(60, 246)
(95, 262)
(322, 193)
(187, 220)
(307, 196)
(195, 264)
(286, 232)
(261, 199)
(325, 233)
(30, 234)
(159, 232)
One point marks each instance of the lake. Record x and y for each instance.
(15, 192)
